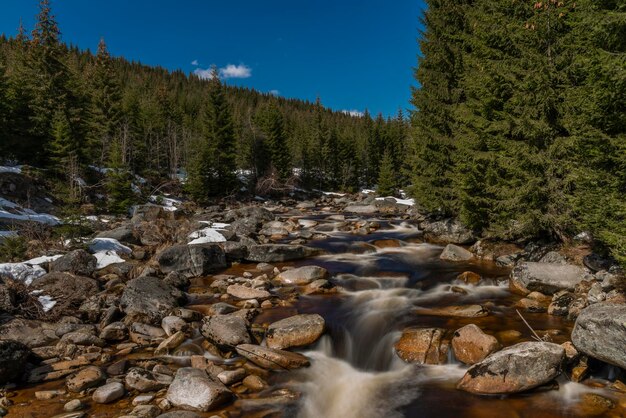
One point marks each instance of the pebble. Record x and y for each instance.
(73, 405)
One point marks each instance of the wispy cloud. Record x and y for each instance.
(274, 92)
(236, 71)
(203, 73)
(195, 63)
(354, 112)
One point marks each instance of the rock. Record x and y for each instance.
(193, 389)
(143, 380)
(192, 260)
(172, 324)
(124, 234)
(67, 288)
(142, 399)
(229, 377)
(455, 253)
(277, 253)
(13, 358)
(515, 369)
(78, 262)
(363, 209)
(242, 292)
(469, 277)
(448, 230)
(108, 393)
(170, 343)
(471, 345)
(225, 331)
(422, 345)
(561, 302)
(82, 338)
(295, 331)
(254, 383)
(257, 213)
(179, 414)
(73, 405)
(464, 311)
(547, 278)
(149, 300)
(600, 332)
(531, 305)
(272, 359)
(116, 331)
(301, 276)
(146, 411)
(593, 405)
(235, 251)
(86, 378)
(31, 333)
(148, 213)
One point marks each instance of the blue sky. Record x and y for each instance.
(354, 54)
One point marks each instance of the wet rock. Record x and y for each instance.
(469, 277)
(254, 383)
(515, 369)
(448, 230)
(242, 292)
(229, 377)
(561, 302)
(172, 324)
(179, 414)
(192, 260)
(146, 411)
(143, 380)
(600, 332)
(73, 405)
(84, 379)
(276, 253)
(295, 331)
(149, 300)
(118, 368)
(593, 405)
(108, 393)
(471, 345)
(422, 345)
(455, 253)
(272, 359)
(531, 305)
(13, 358)
(31, 333)
(225, 331)
(193, 389)
(78, 262)
(301, 276)
(547, 278)
(464, 311)
(222, 308)
(170, 343)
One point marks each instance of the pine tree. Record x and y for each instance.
(273, 125)
(387, 184)
(119, 182)
(62, 147)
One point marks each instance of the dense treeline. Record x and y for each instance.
(520, 121)
(65, 109)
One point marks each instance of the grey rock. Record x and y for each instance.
(225, 331)
(124, 234)
(547, 278)
(600, 332)
(272, 359)
(193, 389)
(143, 380)
(235, 251)
(363, 209)
(172, 324)
(116, 331)
(242, 292)
(86, 378)
(295, 331)
(31, 333)
(67, 288)
(192, 260)
(302, 275)
(78, 262)
(82, 338)
(148, 300)
(179, 414)
(13, 358)
(276, 253)
(455, 253)
(108, 393)
(448, 230)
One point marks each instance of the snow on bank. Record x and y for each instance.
(168, 203)
(408, 202)
(47, 302)
(19, 213)
(206, 235)
(14, 170)
(26, 271)
(107, 250)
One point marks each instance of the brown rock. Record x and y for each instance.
(422, 345)
(469, 277)
(272, 359)
(471, 345)
(86, 378)
(464, 311)
(593, 405)
(295, 331)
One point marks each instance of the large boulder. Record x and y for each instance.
(302, 276)
(68, 290)
(295, 331)
(192, 260)
(600, 332)
(256, 212)
(422, 346)
(515, 369)
(455, 253)
(149, 300)
(86, 378)
(362, 209)
(547, 278)
(277, 253)
(13, 357)
(78, 262)
(272, 359)
(193, 389)
(29, 332)
(471, 345)
(124, 233)
(448, 230)
(225, 331)
(243, 292)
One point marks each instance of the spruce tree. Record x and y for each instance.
(387, 184)
(119, 181)
(273, 125)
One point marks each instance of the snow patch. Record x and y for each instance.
(46, 302)
(205, 236)
(106, 258)
(43, 259)
(168, 203)
(368, 191)
(19, 213)
(408, 202)
(106, 251)
(14, 170)
(21, 272)
(220, 226)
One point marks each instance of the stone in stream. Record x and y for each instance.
(302, 275)
(149, 300)
(194, 389)
(78, 262)
(116, 331)
(172, 324)
(225, 331)
(170, 343)
(272, 359)
(600, 332)
(295, 331)
(463, 311)
(108, 393)
(471, 345)
(192, 260)
(515, 369)
(547, 278)
(243, 292)
(179, 414)
(143, 380)
(276, 253)
(363, 209)
(422, 346)
(86, 378)
(13, 357)
(455, 253)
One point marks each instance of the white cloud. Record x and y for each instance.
(274, 92)
(195, 63)
(235, 71)
(203, 73)
(354, 112)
